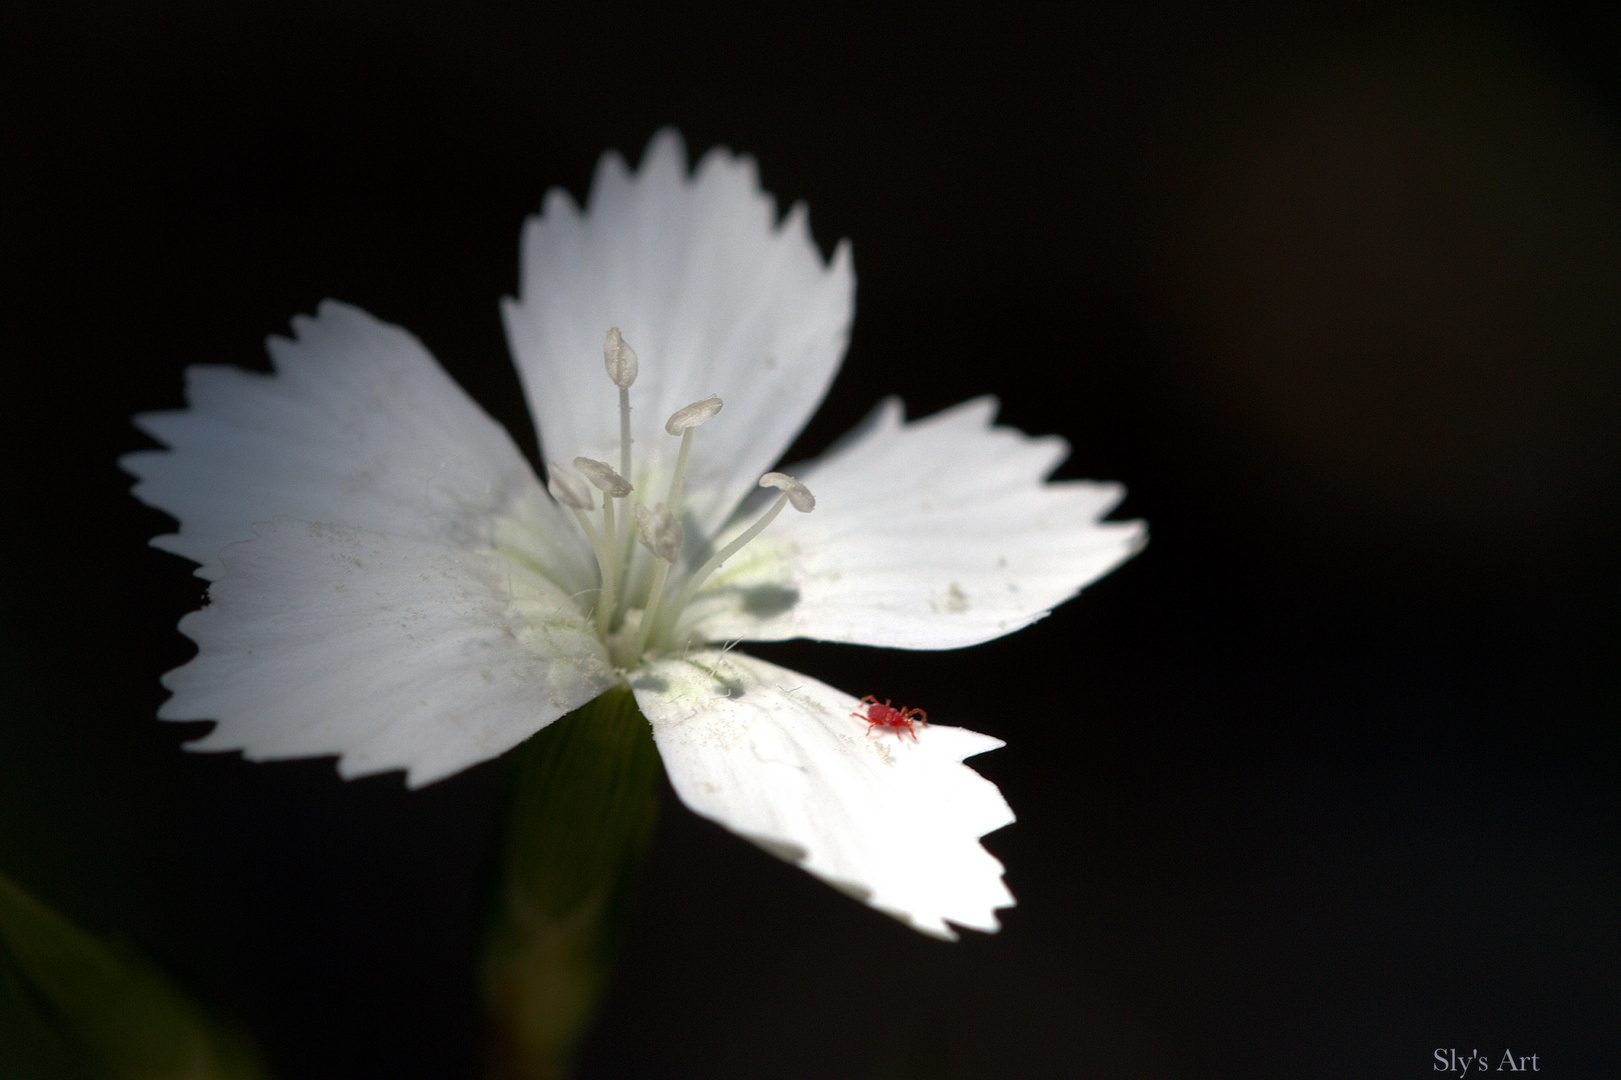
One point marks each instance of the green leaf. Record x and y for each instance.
(582, 804)
(74, 1007)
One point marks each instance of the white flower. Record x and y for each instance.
(393, 585)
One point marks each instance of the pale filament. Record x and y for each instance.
(661, 533)
(792, 492)
(613, 486)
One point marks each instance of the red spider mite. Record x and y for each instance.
(887, 716)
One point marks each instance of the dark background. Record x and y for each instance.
(1321, 782)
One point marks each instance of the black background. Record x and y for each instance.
(1321, 782)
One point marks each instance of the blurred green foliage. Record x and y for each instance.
(74, 1007)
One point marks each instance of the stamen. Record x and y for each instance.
(569, 489)
(661, 532)
(604, 478)
(613, 486)
(620, 360)
(797, 493)
(659, 529)
(596, 541)
(682, 423)
(699, 412)
(603, 611)
(792, 492)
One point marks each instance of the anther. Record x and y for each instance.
(659, 531)
(698, 412)
(798, 494)
(569, 489)
(603, 477)
(682, 423)
(619, 359)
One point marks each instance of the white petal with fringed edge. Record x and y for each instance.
(359, 425)
(889, 816)
(392, 653)
(933, 534)
(400, 595)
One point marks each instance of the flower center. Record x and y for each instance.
(638, 607)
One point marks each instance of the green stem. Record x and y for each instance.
(581, 806)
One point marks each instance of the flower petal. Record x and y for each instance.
(933, 534)
(714, 293)
(394, 652)
(777, 758)
(358, 426)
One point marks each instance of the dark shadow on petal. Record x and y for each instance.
(764, 601)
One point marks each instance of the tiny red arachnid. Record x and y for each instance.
(887, 716)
